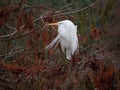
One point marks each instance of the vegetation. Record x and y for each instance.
(24, 34)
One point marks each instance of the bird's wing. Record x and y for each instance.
(53, 42)
(76, 28)
(73, 39)
(74, 44)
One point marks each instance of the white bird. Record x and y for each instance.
(67, 37)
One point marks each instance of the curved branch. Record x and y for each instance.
(20, 51)
(68, 5)
(2, 40)
(77, 11)
(14, 28)
(9, 35)
(85, 59)
(12, 53)
(10, 27)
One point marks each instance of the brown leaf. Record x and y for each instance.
(83, 38)
(14, 68)
(95, 34)
(109, 72)
(19, 21)
(4, 13)
(29, 22)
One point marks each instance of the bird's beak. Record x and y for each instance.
(53, 24)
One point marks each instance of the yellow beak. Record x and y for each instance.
(51, 24)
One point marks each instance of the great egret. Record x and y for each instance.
(67, 37)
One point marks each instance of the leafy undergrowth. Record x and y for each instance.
(28, 66)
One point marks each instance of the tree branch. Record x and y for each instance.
(17, 52)
(68, 5)
(12, 53)
(10, 27)
(9, 35)
(2, 40)
(77, 11)
(14, 28)
(42, 16)
(85, 59)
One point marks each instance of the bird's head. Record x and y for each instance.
(65, 25)
(64, 22)
(55, 24)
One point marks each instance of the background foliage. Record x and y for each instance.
(26, 65)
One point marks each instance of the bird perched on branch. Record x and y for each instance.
(67, 37)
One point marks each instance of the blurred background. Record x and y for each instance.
(26, 65)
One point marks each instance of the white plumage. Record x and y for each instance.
(67, 36)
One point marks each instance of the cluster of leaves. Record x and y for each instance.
(26, 65)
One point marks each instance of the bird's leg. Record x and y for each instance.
(70, 63)
(73, 61)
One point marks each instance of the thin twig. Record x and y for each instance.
(12, 53)
(14, 28)
(68, 5)
(2, 40)
(17, 52)
(10, 27)
(23, 51)
(9, 35)
(83, 61)
(41, 18)
(100, 49)
(40, 6)
(77, 11)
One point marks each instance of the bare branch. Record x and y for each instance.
(12, 53)
(9, 35)
(68, 5)
(37, 28)
(85, 59)
(40, 6)
(43, 16)
(77, 11)
(14, 28)
(99, 50)
(20, 51)
(10, 27)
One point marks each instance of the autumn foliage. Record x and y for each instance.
(26, 65)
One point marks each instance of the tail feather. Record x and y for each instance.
(53, 42)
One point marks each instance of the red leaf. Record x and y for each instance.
(4, 13)
(95, 33)
(19, 21)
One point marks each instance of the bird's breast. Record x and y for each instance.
(63, 32)
(65, 43)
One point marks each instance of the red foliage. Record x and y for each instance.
(14, 68)
(95, 34)
(29, 21)
(101, 75)
(4, 13)
(51, 73)
(83, 38)
(20, 20)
